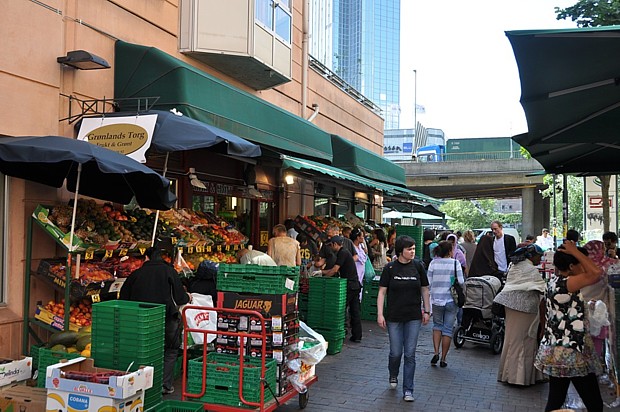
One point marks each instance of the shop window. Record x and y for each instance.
(265, 211)
(203, 203)
(3, 230)
(321, 206)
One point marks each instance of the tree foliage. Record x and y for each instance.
(477, 214)
(591, 13)
(575, 200)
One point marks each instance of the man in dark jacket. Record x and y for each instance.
(345, 266)
(503, 246)
(158, 282)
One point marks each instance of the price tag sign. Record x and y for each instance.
(122, 252)
(89, 254)
(108, 253)
(142, 250)
(173, 240)
(236, 247)
(180, 249)
(95, 298)
(116, 285)
(264, 238)
(190, 250)
(219, 248)
(208, 248)
(200, 249)
(227, 248)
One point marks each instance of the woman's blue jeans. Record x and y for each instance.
(403, 338)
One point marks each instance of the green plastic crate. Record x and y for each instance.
(47, 357)
(274, 284)
(266, 270)
(177, 406)
(223, 379)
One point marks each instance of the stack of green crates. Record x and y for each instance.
(327, 301)
(369, 299)
(258, 279)
(176, 406)
(416, 232)
(223, 375)
(302, 298)
(127, 335)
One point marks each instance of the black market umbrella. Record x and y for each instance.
(175, 132)
(88, 170)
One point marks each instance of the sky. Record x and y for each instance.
(467, 76)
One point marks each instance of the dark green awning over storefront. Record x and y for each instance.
(141, 71)
(308, 166)
(355, 159)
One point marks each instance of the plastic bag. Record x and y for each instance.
(598, 317)
(201, 318)
(369, 271)
(181, 266)
(315, 346)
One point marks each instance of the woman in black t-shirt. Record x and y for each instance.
(405, 284)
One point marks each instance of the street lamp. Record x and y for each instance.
(415, 112)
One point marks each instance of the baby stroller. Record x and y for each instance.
(480, 324)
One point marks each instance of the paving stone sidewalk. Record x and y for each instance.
(357, 380)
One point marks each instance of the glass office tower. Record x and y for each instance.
(365, 42)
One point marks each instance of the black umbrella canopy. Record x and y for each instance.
(175, 132)
(105, 174)
(570, 85)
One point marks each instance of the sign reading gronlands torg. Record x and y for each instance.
(129, 135)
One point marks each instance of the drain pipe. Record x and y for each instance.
(315, 106)
(304, 56)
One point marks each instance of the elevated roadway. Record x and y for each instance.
(479, 179)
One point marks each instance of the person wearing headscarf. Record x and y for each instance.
(521, 297)
(599, 290)
(457, 253)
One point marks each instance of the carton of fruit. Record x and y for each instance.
(41, 214)
(15, 370)
(120, 386)
(55, 321)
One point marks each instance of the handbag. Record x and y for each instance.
(456, 290)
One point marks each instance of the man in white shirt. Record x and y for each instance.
(503, 245)
(545, 241)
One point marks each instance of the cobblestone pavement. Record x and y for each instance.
(356, 379)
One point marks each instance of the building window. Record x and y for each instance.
(275, 16)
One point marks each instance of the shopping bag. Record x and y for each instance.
(314, 345)
(369, 271)
(201, 318)
(456, 290)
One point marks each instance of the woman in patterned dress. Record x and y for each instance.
(566, 352)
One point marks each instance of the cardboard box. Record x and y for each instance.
(118, 387)
(15, 370)
(54, 321)
(265, 304)
(62, 401)
(17, 397)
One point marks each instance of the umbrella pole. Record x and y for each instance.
(77, 191)
(157, 212)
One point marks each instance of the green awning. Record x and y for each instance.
(355, 159)
(289, 162)
(141, 71)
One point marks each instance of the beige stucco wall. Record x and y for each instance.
(32, 83)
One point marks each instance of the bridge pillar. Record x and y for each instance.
(528, 212)
(535, 212)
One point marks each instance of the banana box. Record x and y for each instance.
(79, 376)
(61, 401)
(22, 398)
(15, 370)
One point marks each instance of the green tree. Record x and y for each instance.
(476, 214)
(575, 200)
(590, 13)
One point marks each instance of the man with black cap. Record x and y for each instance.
(345, 266)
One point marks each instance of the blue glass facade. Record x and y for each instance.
(366, 49)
